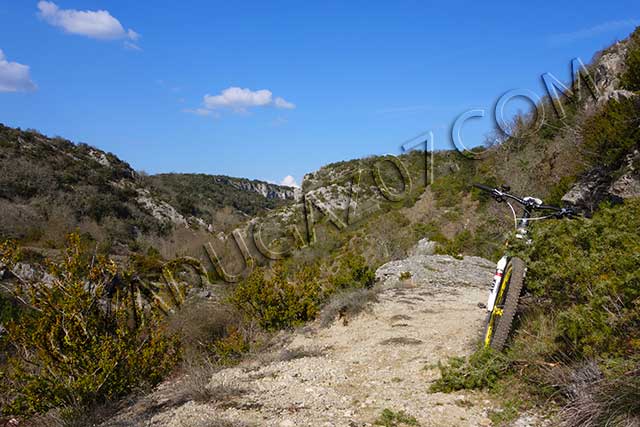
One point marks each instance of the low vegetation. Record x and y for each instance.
(631, 77)
(613, 132)
(79, 341)
(482, 370)
(389, 418)
(279, 298)
(84, 335)
(277, 302)
(580, 344)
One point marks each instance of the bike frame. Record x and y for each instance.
(522, 232)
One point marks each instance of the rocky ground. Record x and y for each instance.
(348, 373)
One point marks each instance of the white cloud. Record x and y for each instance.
(14, 77)
(281, 103)
(289, 181)
(131, 46)
(238, 98)
(596, 30)
(241, 99)
(201, 112)
(132, 35)
(98, 24)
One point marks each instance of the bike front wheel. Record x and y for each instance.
(504, 310)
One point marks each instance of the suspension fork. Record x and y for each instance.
(497, 281)
(522, 232)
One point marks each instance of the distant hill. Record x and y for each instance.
(51, 186)
(204, 195)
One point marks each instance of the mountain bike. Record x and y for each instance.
(508, 281)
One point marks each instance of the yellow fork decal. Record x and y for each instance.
(497, 311)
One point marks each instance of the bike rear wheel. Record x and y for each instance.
(501, 317)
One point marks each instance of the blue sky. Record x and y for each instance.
(326, 81)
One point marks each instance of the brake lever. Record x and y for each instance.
(566, 212)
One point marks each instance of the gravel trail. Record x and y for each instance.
(345, 375)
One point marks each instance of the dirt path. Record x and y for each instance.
(347, 375)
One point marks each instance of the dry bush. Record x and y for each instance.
(196, 385)
(388, 238)
(17, 221)
(597, 400)
(201, 323)
(347, 304)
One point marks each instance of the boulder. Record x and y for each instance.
(438, 271)
(590, 190)
(628, 185)
(423, 247)
(600, 184)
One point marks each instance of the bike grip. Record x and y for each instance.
(550, 208)
(484, 187)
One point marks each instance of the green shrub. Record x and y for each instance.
(277, 302)
(559, 189)
(631, 78)
(447, 188)
(9, 308)
(230, 349)
(353, 273)
(389, 418)
(428, 229)
(590, 272)
(77, 343)
(483, 369)
(405, 275)
(456, 246)
(613, 132)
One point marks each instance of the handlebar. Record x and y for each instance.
(484, 187)
(528, 202)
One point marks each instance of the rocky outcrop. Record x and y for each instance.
(423, 247)
(628, 185)
(609, 66)
(600, 184)
(440, 270)
(267, 190)
(161, 210)
(590, 190)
